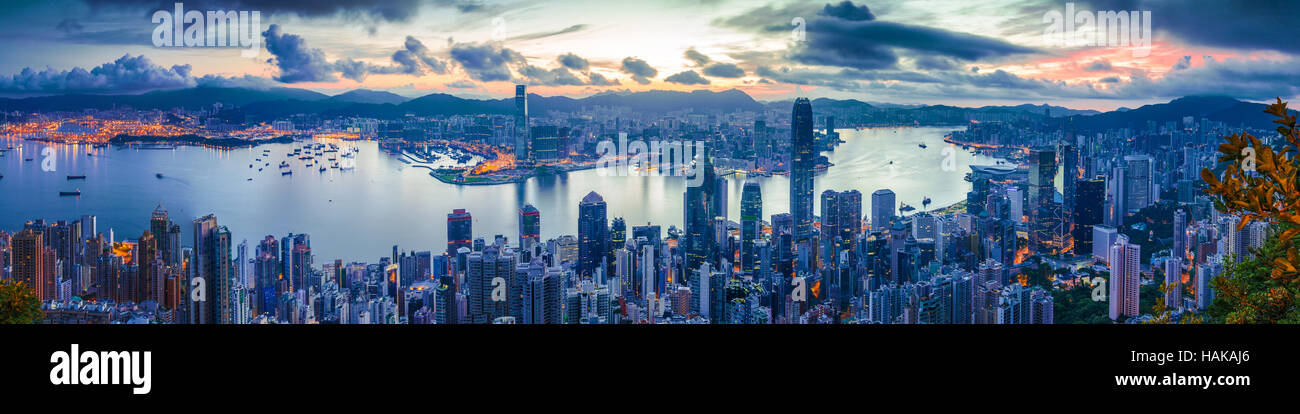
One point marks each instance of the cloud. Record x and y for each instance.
(1183, 63)
(542, 35)
(461, 84)
(641, 71)
(296, 61)
(724, 70)
(485, 62)
(127, 74)
(68, 26)
(363, 10)
(695, 56)
(597, 79)
(849, 36)
(299, 63)
(572, 61)
(245, 81)
(415, 54)
(687, 78)
(551, 77)
(847, 11)
(935, 63)
(1099, 65)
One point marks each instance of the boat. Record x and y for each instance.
(76, 177)
(322, 169)
(76, 192)
(29, 159)
(904, 207)
(922, 145)
(287, 173)
(159, 175)
(284, 164)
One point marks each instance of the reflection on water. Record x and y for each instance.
(360, 214)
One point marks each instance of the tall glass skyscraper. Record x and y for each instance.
(882, 209)
(593, 233)
(698, 220)
(751, 216)
(530, 226)
(460, 230)
(522, 141)
(802, 168)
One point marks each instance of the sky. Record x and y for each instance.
(955, 52)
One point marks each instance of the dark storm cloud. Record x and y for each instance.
(124, 75)
(724, 70)
(485, 62)
(687, 78)
(297, 62)
(641, 72)
(572, 61)
(848, 11)
(847, 35)
(1253, 25)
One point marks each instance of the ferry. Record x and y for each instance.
(76, 192)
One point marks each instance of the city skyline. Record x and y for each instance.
(993, 53)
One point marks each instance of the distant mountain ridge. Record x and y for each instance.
(266, 104)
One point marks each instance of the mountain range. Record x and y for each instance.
(272, 103)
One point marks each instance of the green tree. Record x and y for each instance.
(1260, 184)
(18, 303)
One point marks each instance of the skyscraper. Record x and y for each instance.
(27, 251)
(523, 141)
(1124, 277)
(1180, 235)
(1138, 182)
(882, 210)
(1089, 211)
(751, 222)
(530, 226)
(205, 268)
(212, 251)
(802, 166)
(698, 217)
(850, 219)
(593, 234)
(460, 230)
